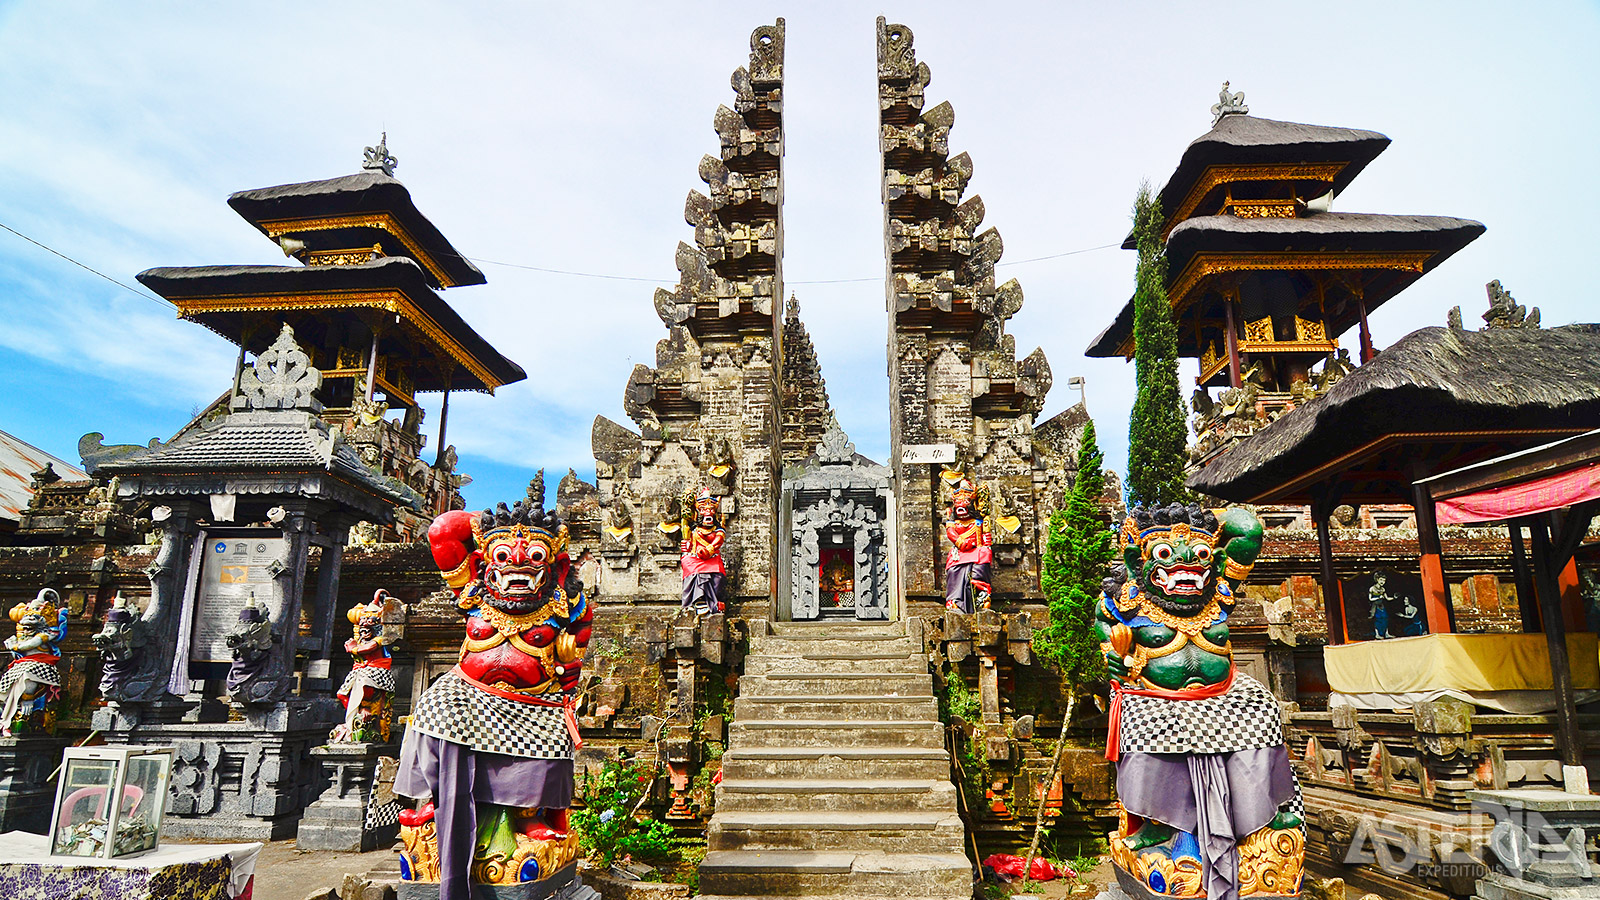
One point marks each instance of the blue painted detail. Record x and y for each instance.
(405, 868)
(1157, 882)
(529, 870)
(1184, 846)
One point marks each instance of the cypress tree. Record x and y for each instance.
(1077, 553)
(1157, 433)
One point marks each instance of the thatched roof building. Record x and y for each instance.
(1438, 398)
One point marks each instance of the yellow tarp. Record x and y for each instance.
(1460, 662)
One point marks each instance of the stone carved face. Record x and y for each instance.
(517, 574)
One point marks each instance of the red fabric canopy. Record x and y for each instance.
(1528, 498)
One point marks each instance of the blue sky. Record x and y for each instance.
(560, 137)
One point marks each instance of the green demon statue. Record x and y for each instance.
(1210, 806)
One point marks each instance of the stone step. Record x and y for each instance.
(888, 832)
(837, 706)
(827, 763)
(837, 663)
(844, 794)
(798, 733)
(771, 645)
(737, 875)
(803, 684)
(840, 630)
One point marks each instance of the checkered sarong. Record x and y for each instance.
(44, 673)
(1245, 718)
(381, 813)
(375, 677)
(455, 711)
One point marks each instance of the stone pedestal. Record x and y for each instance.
(26, 791)
(232, 780)
(1540, 844)
(338, 819)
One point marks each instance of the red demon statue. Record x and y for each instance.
(491, 741)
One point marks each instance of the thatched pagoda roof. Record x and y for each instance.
(1477, 393)
(357, 210)
(1251, 140)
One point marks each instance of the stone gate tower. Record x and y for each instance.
(707, 413)
(954, 378)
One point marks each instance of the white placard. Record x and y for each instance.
(232, 569)
(928, 453)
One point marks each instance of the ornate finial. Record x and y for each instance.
(536, 490)
(835, 446)
(378, 158)
(282, 378)
(896, 56)
(1505, 312)
(766, 53)
(1228, 105)
(792, 310)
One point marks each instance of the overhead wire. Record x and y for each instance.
(136, 292)
(532, 268)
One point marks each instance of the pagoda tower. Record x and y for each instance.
(1263, 276)
(364, 305)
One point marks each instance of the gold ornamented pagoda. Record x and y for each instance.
(365, 307)
(1263, 276)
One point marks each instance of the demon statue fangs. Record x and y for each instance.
(1209, 805)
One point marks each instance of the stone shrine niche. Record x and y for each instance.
(838, 508)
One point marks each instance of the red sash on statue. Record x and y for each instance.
(1114, 726)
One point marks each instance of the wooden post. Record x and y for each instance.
(1367, 353)
(1435, 593)
(1235, 377)
(1332, 592)
(372, 364)
(444, 417)
(1555, 631)
(1324, 498)
(239, 372)
(1527, 601)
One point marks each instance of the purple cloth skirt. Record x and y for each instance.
(457, 778)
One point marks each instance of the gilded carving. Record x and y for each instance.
(394, 302)
(381, 221)
(1217, 176)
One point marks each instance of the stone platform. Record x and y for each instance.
(27, 794)
(232, 780)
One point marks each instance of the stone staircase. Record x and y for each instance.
(836, 782)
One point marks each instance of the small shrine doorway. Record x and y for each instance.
(837, 513)
(836, 581)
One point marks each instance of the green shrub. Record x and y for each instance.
(608, 827)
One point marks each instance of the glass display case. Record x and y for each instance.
(109, 801)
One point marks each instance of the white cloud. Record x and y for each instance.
(567, 136)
